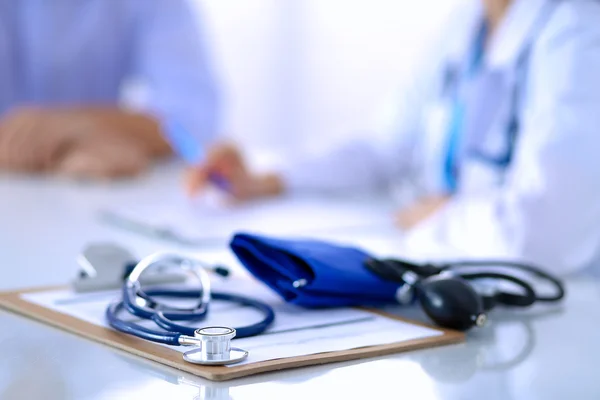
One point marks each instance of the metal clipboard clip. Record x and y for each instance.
(105, 266)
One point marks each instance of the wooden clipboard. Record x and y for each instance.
(12, 301)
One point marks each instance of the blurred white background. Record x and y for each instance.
(305, 74)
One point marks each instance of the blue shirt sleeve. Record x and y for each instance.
(172, 60)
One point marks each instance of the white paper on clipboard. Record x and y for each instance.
(296, 331)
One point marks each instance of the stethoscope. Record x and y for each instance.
(456, 78)
(212, 343)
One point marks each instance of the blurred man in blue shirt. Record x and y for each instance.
(63, 67)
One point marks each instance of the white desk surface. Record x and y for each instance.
(44, 223)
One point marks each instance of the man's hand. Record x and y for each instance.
(226, 168)
(32, 139)
(103, 159)
(418, 212)
(90, 142)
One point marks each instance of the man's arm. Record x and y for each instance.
(141, 129)
(172, 61)
(43, 139)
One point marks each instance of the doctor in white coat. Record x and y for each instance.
(498, 140)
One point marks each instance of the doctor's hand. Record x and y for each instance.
(421, 210)
(226, 169)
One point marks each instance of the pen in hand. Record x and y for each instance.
(220, 182)
(224, 168)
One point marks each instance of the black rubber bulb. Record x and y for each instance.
(451, 302)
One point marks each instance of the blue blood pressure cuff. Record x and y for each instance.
(311, 273)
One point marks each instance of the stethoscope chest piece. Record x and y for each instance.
(215, 347)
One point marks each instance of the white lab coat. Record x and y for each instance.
(545, 206)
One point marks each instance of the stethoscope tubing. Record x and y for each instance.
(131, 328)
(165, 320)
(162, 319)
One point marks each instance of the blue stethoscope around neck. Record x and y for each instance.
(459, 111)
(212, 343)
(453, 81)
